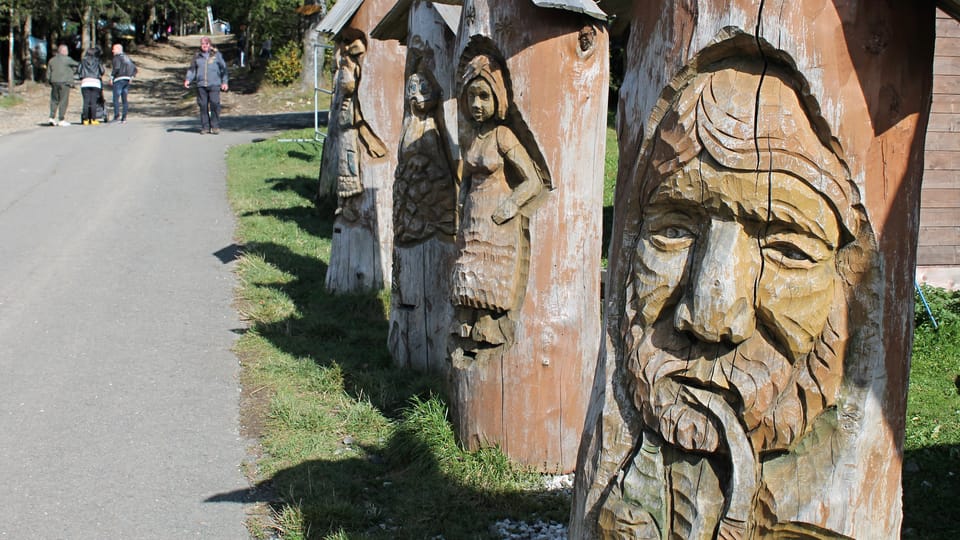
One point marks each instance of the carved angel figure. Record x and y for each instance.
(735, 318)
(424, 192)
(499, 182)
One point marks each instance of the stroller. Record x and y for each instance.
(101, 107)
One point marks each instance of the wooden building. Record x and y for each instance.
(938, 249)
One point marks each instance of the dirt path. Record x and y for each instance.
(158, 89)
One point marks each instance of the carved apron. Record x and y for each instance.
(486, 274)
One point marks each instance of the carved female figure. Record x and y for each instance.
(499, 182)
(424, 190)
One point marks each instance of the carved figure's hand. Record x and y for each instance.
(505, 212)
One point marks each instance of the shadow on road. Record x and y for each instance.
(262, 123)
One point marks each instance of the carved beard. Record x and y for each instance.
(775, 400)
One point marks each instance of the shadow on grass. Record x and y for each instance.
(931, 482)
(396, 489)
(395, 492)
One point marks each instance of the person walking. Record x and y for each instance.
(124, 70)
(60, 72)
(209, 71)
(91, 85)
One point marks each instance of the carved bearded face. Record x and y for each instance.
(735, 300)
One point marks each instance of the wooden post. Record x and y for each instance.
(753, 379)
(425, 186)
(531, 86)
(359, 158)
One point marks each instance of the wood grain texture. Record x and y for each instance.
(865, 83)
(530, 397)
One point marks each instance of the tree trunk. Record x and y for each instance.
(26, 53)
(151, 21)
(528, 294)
(86, 27)
(714, 414)
(10, 58)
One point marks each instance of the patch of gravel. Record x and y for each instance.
(509, 529)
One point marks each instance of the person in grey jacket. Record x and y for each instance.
(60, 73)
(209, 71)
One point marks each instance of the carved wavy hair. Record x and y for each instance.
(760, 126)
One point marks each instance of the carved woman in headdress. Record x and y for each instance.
(499, 182)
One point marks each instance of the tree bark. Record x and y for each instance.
(10, 82)
(87, 35)
(26, 53)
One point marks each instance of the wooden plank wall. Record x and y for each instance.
(939, 243)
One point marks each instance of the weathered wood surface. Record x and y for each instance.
(524, 389)
(362, 243)
(424, 194)
(752, 382)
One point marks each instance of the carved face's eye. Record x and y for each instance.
(794, 250)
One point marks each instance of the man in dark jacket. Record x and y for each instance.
(60, 73)
(209, 71)
(124, 70)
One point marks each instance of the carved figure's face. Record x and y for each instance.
(420, 93)
(480, 100)
(735, 278)
(739, 248)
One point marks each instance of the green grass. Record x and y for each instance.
(352, 447)
(10, 100)
(931, 478)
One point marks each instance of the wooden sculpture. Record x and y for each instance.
(753, 378)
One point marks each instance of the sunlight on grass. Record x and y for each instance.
(352, 446)
(10, 100)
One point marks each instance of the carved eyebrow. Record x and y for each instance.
(791, 218)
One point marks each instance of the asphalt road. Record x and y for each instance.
(118, 390)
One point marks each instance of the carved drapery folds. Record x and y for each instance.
(349, 133)
(732, 367)
(424, 189)
(499, 183)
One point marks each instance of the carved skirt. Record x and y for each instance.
(486, 273)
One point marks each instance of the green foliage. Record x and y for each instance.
(944, 304)
(284, 68)
(931, 475)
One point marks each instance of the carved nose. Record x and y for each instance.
(718, 302)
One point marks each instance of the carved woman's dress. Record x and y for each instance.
(424, 189)
(488, 272)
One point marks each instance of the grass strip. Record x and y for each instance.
(352, 447)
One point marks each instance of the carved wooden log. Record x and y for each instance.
(752, 382)
(357, 163)
(532, 103)
(425, 187)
